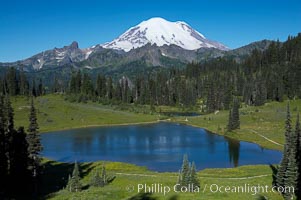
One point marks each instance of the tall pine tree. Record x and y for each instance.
(193, 177)
(33, 88)
(9, 115)
(74, 184)
(34, 141)
(235, 114)
(96, 180)
(230, 121)
(9, 129)
(234, 120)
(12, 84)
(3, 155)
(185, 171)
(109, 89)
(18, 161)
(13, 154)
(188, 175)
(40, 88)
(298, 157)
(281, 177)
(290, 178)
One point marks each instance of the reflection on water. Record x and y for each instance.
(159, 146)
(233, 146)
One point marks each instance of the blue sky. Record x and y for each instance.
(31, 26)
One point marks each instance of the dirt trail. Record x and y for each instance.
(255, 132)
(230, 178)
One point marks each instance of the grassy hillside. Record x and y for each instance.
(129, 176)
(54, 113)
(263, 125)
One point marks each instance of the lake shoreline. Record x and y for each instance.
(158, 121)
(228, 136)
(107, 125)
(152, 145)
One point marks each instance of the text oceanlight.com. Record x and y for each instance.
(210, 188)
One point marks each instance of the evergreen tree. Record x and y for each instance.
(281, 177)
(193, 179)
(235, 114)
(14, 155)
(110, 91)
(230, 121)
(234, 121)
(96, 180)
(23, 83)
(291, 173)
(33, 88)
(40, 88)
(289, 169)
(78, 82)
(101, 180)
(211, 104)
(9, 130)
(34, 141)
(227, 98)
(118, 92)
(87, 86)
(55, 87)
(101, 86)
(74, 184)
(260, 91)
(12, 84)
(18, 161)
(298, 158)
(292, 168)
(187, 175)
(9, 115)
(68, 183)
(185, 171)
(3, 155)
(72, 84)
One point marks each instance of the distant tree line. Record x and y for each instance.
(15, 82)
(269, 75)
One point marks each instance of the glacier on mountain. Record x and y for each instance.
(162, 32)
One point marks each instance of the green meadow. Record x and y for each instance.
(54, 113)
(263, 125)
(129, 176)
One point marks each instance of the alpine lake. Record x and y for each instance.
(159, 147)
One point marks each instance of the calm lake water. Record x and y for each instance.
(159, 147)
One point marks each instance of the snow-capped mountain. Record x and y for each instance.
(162, 32)
(151, 40)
